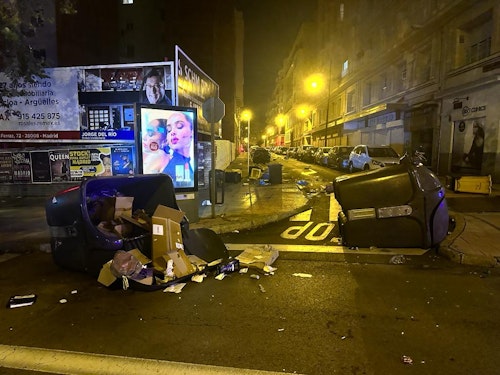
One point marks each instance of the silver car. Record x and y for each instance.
(364, 157)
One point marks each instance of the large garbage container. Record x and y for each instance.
(220, 177)
(275, 173)
(399, 206)
(76, 240)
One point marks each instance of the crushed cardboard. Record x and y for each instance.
(258, 256)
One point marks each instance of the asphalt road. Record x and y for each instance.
(312, 316)
(317, 313)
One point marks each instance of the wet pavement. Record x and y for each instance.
(249, 204)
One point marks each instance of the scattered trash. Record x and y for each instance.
(220, 276)
(74, 291)
(198, 278)
(63, 300)
(305, 275)
(244, 270)
(398, 259)
(254, 276)
(407, 360)
(270, 269)
(45, 248)
(21, 301)
(231, 266)
(258, 256)
(206, 202)
(281, 329)
(262, 288)
(175, 288)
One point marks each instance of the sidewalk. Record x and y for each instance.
(246, 205)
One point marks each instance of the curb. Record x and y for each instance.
(447, 249)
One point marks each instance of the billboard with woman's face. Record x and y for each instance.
(168, 136)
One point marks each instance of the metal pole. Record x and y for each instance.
(328, 102)
(248, 149)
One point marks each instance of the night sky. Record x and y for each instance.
(270, 30)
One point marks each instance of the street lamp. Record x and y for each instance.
(246, 115)
(314, 84)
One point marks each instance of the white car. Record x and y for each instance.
(364, 157)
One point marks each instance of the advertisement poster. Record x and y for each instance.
(107, 95)
(59, 165)
(47, 111)
(122, 159)
(21, 167)
(168, 138)
(468, 145)
(5, 167)
(90, 162)
(40, 166)
(194, 87)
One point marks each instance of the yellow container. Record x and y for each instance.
(473, 184)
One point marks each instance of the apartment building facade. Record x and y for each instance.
(421, 75)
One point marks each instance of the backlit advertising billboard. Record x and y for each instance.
(85, 104)
(194, 87)
(167, 143)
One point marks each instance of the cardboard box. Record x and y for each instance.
(166, 234)
(123, 206)
(182, 264)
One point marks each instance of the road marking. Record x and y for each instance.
(79, 363)
(334, 209)
(302, 216)
(330, 249)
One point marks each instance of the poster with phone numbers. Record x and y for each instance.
(5, 167)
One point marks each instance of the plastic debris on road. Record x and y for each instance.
(406, 360)
(304, 275)
(175, 288)
(21, 301)
(398, 259)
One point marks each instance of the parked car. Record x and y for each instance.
(280, 150)
(338, 157)
(261, 156)
(321, 154)
(292, 152)
(364, 157)
(305, 153)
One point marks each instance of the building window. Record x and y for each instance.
(402, 74)
(367, 95)
(474, 39)
(423, 66)
(345, 68)
(385, 86)
(350, 102)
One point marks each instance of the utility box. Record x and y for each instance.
(397, 206)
